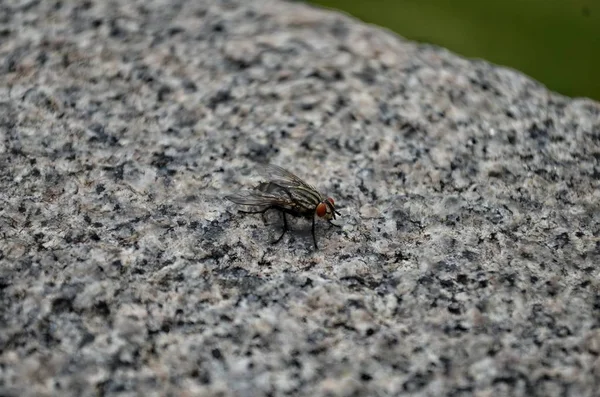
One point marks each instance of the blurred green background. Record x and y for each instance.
(557, 42)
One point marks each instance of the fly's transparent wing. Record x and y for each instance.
(265, 195)
(295, 188)
(281, 189)
(283, 177)
(254, 198)
(269, 194)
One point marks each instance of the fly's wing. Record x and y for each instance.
(294, 185)
(265, 195)
(282, 189)
(251, 198)
(282, 177)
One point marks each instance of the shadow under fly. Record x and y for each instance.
(288, 194)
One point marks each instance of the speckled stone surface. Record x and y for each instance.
(468, 258)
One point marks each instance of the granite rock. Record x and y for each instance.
(467, 258)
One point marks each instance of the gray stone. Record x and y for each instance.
(467, 258)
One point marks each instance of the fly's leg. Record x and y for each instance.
(285, 228)
(313, 233)
(333, 224)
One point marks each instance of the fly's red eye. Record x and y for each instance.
(321, 210)
(330, 200)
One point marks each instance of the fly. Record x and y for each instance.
(290, 195)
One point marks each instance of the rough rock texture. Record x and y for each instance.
(467, 261)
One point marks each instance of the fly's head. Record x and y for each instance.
(326, 209)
